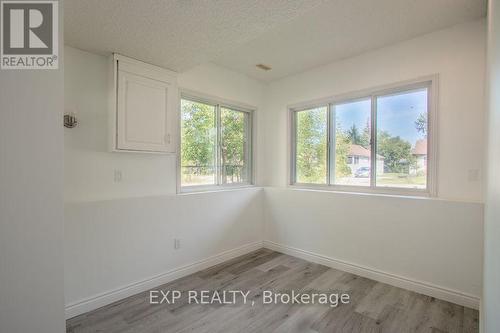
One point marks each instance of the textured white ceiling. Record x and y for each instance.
(174, 34)
(289, 35)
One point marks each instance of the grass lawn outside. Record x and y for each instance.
(402, 180)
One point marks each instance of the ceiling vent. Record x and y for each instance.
(263, 67)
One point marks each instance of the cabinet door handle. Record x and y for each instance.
(167, 138)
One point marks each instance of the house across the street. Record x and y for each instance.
(359, 157)
(420, 152)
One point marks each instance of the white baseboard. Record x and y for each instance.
(425, 288)
(97, 301)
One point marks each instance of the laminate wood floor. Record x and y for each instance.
(373, 306)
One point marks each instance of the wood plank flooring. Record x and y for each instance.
(373, 307)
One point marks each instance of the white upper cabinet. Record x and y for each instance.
(143, 107)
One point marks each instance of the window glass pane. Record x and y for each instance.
(311, 146)
(234, 149)
(198, 135)
(402, 139)
(352, 143)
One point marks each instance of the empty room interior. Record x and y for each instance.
(250, 166)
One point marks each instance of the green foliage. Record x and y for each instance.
(353, 135)
(198, 136)
(233, 145)
(366, 136)
(342, 147)
(421, 123)
(357, 138)
(311, 146)
(396, 152)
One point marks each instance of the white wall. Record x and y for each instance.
(113, 244)
(491, 292)
(31, 200)
(437, 242)
(90, 167)
(119, 234)
(456, 54)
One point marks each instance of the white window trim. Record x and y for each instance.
(431, 82)
(219, 102)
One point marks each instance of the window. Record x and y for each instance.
(311, 146)
(351, 126)
(215, 144)
(402, 139)
(377, 141)
(234, 148)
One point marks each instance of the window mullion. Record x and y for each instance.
(328, 145)
(293, 148)
(219, 145)
(249, 156)
(331, 143)
(373, 142)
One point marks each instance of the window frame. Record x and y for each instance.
(218, 103)
(430, 82)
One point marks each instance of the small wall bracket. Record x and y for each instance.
(70, 120)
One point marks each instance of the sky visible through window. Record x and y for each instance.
(396, 114)
(353, 113)
(399, 158)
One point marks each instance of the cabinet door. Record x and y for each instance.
(143, 120)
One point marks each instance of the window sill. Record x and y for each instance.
(384, 192)
(215, 188)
